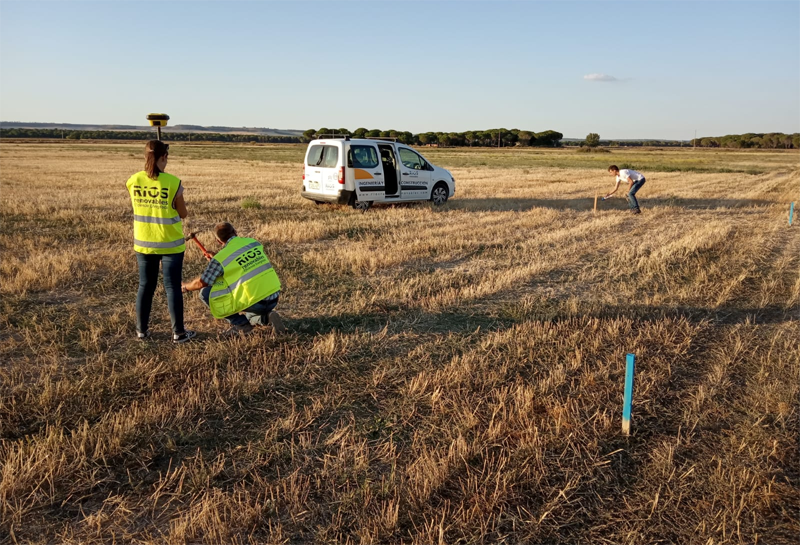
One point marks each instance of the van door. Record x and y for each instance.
(391, 170)
(329, 168)
(323, 162)
(364, 161)
(415, 178)
(313, 177)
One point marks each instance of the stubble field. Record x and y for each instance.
(451, 375)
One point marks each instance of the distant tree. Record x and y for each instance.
(796, 141)
(443, 138)
(548, 138)
(469, 137)
(423, 138)
(309, 134)
(524, 138)
(323, 130)
(407, 138)
(360, 132)
(509, 138)
(592, 139)
(344, 132)
(374, 133)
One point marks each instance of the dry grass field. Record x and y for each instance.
(451, 375)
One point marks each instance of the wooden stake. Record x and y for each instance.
(595, 203)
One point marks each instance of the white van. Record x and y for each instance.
(360, 172)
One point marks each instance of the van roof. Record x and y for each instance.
(353, 141)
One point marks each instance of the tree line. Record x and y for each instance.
(491, 137)
(145, 135)
(772, 140)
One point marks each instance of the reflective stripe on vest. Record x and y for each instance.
(160, 221)
(248, 277)
(148, 244)
(245, 278)
(239, 252)
(157, 227)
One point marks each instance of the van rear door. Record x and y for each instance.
(364, 161)
(323, 168)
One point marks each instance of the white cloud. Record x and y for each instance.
(599, 77)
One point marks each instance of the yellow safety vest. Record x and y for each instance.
(248, 277)
(157, 226)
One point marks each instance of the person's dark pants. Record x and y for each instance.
(148, 280)
(633, 204)
(256, 314)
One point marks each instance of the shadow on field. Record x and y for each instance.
(414, 321)
(398, 322)
(583, 204)
(770, 314)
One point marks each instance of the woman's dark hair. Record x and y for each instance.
(613, 168)
(153, 151)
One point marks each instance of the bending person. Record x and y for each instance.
(240, 278)
(635, 182)
(158, 207)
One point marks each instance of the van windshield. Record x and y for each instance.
(323, 156)
(363, 157)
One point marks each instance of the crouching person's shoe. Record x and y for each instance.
(276, 323)
(242, 329)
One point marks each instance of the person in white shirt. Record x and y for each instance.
(635, 181)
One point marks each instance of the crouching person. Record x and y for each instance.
(240, 278)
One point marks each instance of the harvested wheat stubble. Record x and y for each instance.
(451, 375)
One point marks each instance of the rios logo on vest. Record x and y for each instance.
(150, 191)
(251, 258)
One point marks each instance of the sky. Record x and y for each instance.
(621, 69)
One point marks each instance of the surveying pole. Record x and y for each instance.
(158, 121)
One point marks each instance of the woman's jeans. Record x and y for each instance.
(631, 196)
(148, 280)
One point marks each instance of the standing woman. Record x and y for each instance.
(158, 208)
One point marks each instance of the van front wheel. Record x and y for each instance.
(439, 194)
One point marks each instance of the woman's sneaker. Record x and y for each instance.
(186, 336)
(276, 323)
(143, 336)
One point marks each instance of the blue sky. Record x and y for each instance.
(718, 67)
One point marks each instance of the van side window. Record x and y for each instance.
(330, 157)
(412, 160)
(363, 157)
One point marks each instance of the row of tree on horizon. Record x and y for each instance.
(479, 138)
(491, 137)
(771, 140)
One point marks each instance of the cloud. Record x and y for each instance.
(599, 77)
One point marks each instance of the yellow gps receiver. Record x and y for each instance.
(158, 121)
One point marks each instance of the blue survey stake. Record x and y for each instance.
(627, 401)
